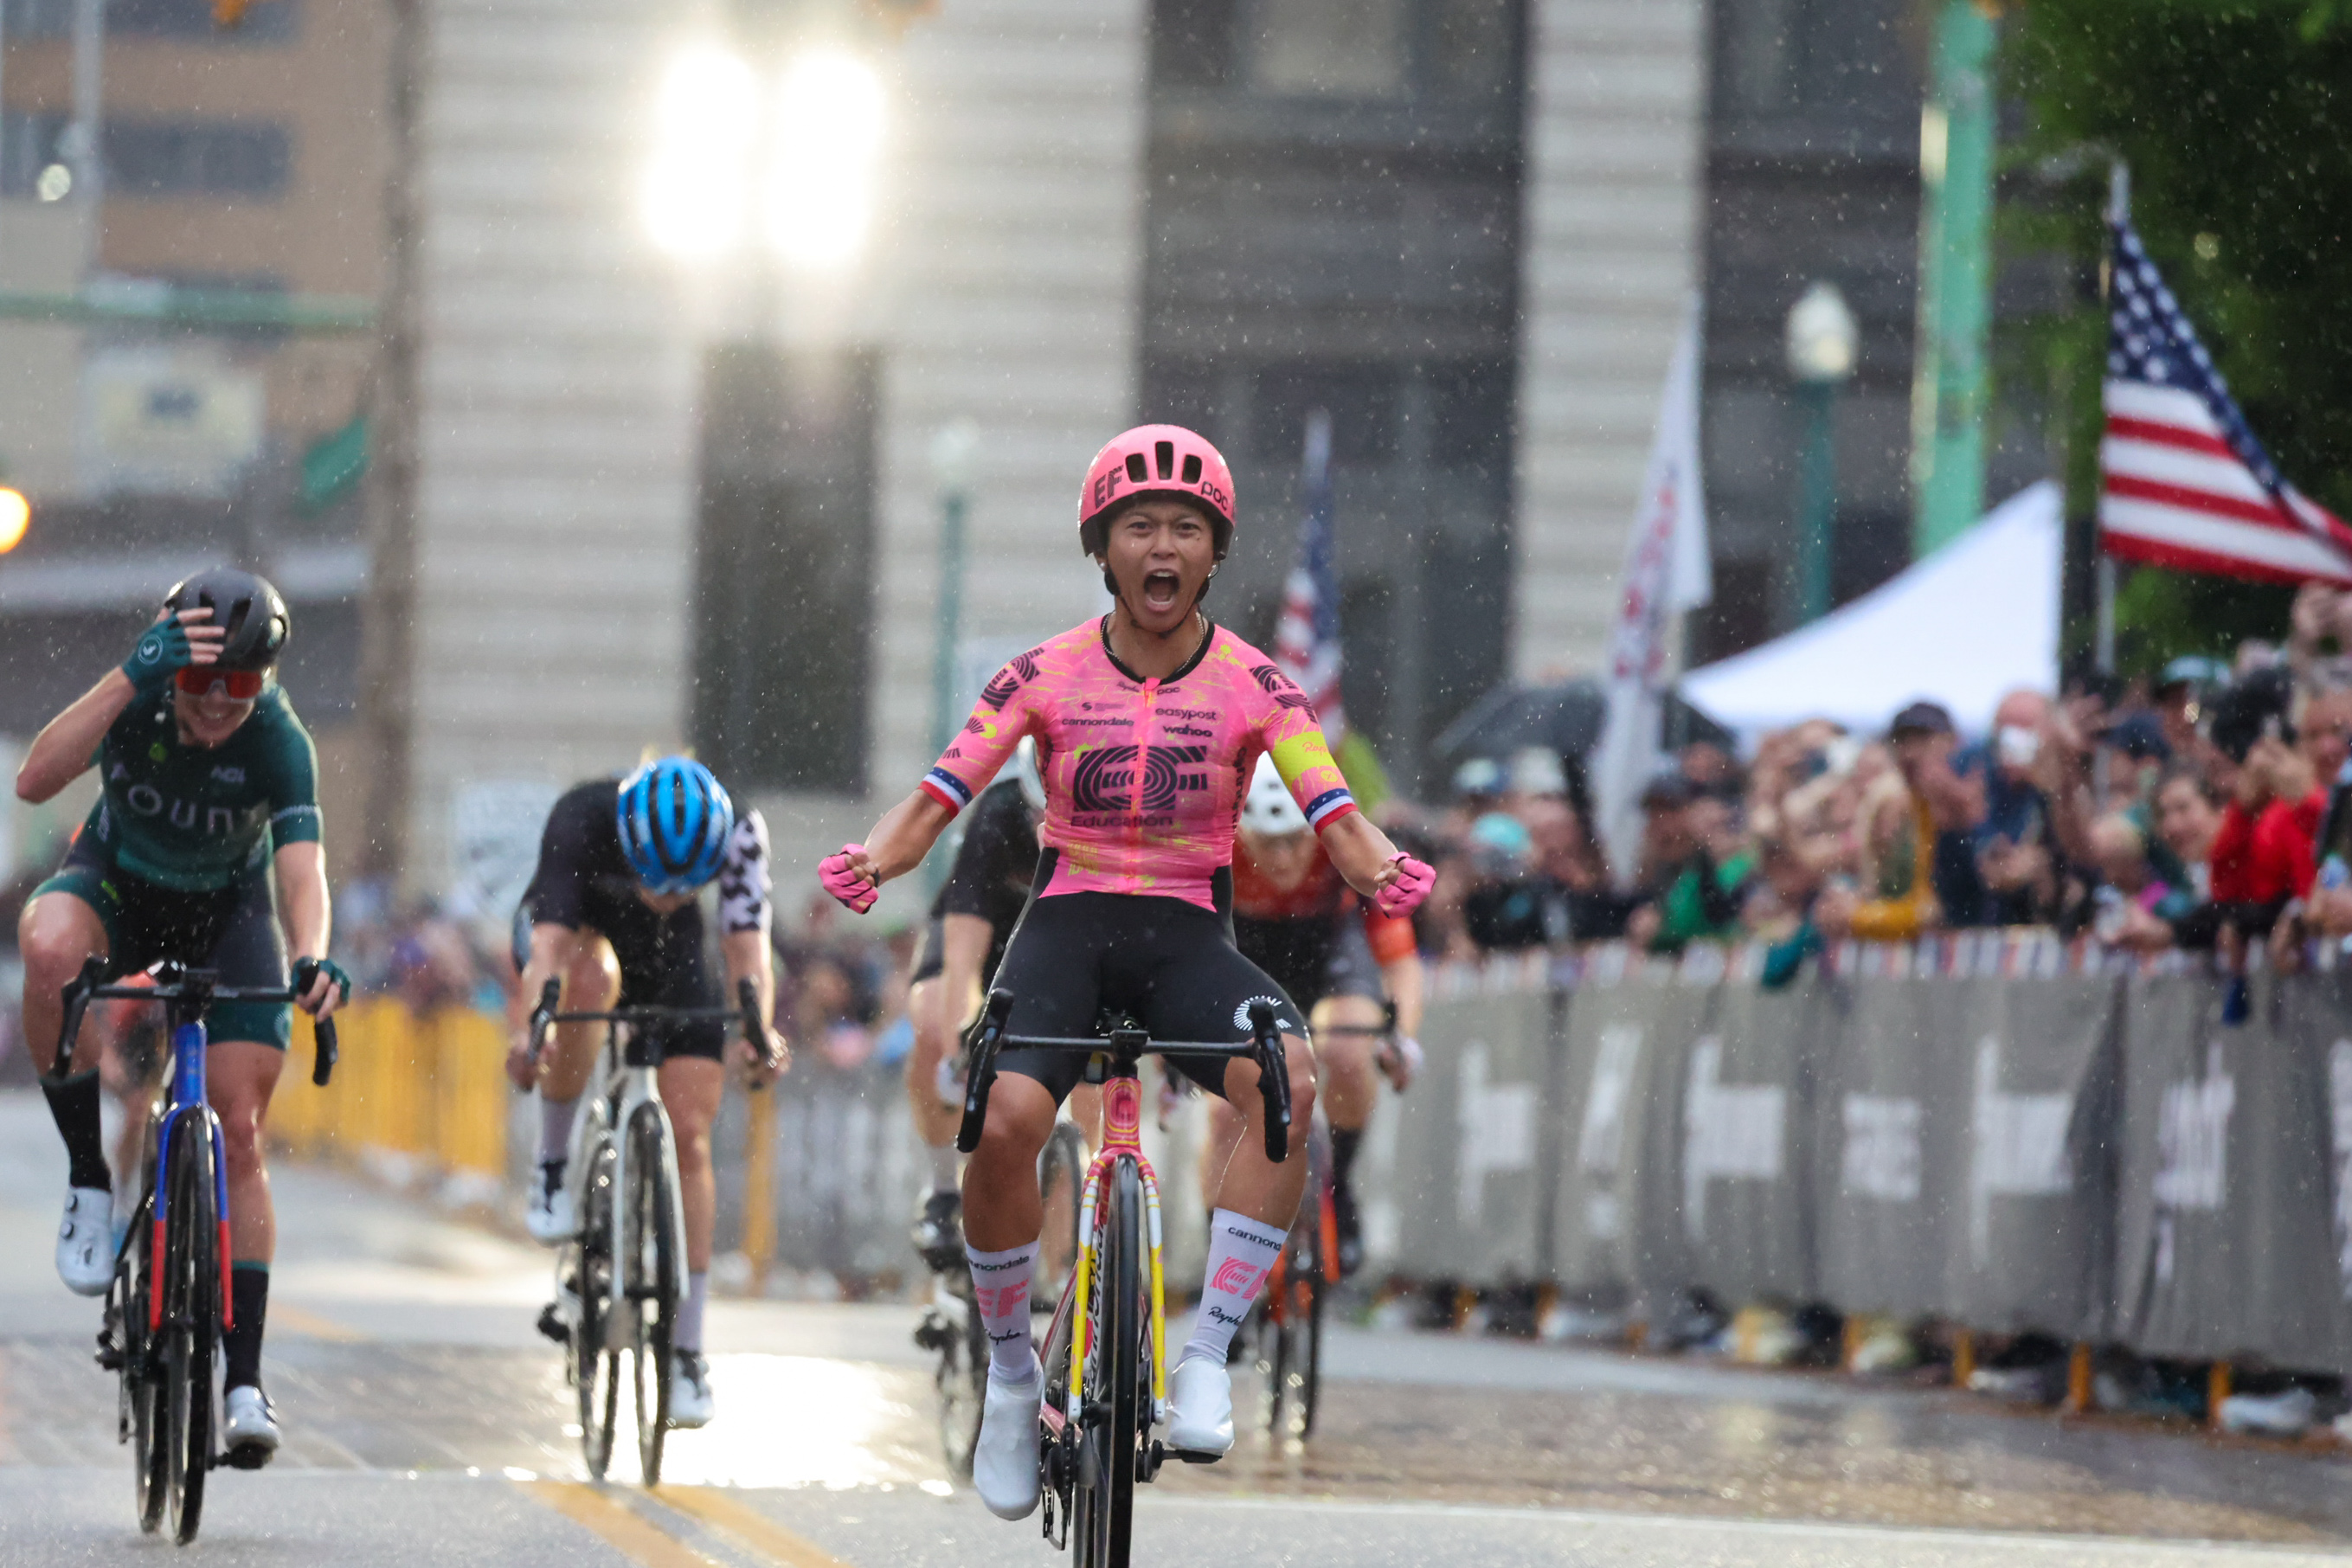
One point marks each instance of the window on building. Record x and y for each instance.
(784, 607)
(1178, 391)
(1470, 415)
(1360, 397)
(266, 21)
(1473, 48)
(198, 157)
(1192, 42)
(1331, 48)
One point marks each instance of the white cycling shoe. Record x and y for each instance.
(549, 1218)
(1201, 1407)
(1004, 1460)
(690, 1404)
(249, 1428)
(86, 1241)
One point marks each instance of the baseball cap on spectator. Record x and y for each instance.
(2241, 713)
(1668, 792)
(1920, 719)
(2140, 737)
(1479, 775)
(2195, 671)
(1535, 771)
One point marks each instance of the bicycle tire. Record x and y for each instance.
(191, 1326)
(961, 1379)
(140, 1406)
(595, 1371)
(1061, 1183)
(1111, 1452)
(654, 1286)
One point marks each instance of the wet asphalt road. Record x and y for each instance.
(427, 1422)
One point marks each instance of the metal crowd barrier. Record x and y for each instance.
(1990, 1131)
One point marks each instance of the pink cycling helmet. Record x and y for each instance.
(1157, 459)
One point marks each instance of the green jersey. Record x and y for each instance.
(195, 819)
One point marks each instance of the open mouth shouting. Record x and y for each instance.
(1160, 591)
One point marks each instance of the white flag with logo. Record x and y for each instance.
(1667, 572)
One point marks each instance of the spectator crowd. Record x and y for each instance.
(2207, 808)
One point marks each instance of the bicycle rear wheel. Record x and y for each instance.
(1061, 1181)
(962, 1374)
(653, 1286)
(596, 1371)
(1110, 1448)
(192, 1302)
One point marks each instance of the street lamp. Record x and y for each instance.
(1822, 346)
(825, 139)
(698, 183)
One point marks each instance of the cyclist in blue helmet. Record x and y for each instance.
(615, 910)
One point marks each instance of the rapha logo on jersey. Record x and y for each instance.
(1021, 670)
(1105, 778)
(1241, 1017)
(1279, 686)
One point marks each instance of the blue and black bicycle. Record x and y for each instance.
(170, 1301)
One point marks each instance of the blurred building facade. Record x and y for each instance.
(665, 503)
(248, 160)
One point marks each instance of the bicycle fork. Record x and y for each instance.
(187, 1098)
(1119, 1142)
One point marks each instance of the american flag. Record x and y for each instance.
(1307, 641)
(2184, 482)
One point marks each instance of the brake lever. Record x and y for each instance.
(979, 1074)
(543, 1017)
(76, 997)
(755, 1028)
(324, 1049)
(1273, 1079)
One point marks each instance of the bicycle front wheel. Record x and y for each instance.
(142, 1412)
(1110, 1450)
(192, 1302)
(595, 1369)
(653, 1287)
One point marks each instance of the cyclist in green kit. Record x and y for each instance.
(202, 847)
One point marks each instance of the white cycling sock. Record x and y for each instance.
(555, 1128)
(1241, 1253)
(687, 1335)
(1000, 1287)
(943, 1169)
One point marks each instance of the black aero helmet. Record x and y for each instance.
(251, 611)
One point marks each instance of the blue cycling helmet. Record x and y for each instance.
(674, 820)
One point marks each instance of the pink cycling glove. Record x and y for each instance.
(1401, 896)
(841, 878)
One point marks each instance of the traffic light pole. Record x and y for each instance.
(1950, 373)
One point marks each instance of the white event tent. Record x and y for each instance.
(1975, 620)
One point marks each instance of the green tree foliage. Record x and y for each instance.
(2235, 118)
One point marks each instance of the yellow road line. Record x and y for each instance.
(717, 1507)
(284, 1315)
(619, 1526)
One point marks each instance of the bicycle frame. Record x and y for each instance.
(632, 1082)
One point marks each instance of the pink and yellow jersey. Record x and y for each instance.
(1144, 779)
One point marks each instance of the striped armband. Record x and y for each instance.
(1329, 807)
(948, 790)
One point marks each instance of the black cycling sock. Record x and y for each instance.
(73, 1105)
(1345, 1142)
(248, 1287)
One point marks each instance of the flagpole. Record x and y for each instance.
(2118, 212)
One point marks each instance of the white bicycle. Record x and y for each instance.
(618, 1281)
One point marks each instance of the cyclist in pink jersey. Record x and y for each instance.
(1149, 724)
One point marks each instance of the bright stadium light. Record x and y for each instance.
(825, 138)
(698, 183)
